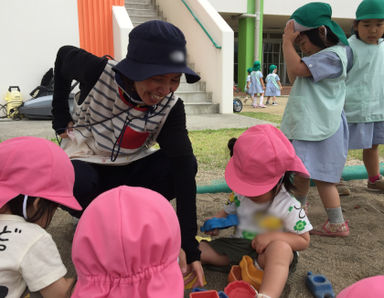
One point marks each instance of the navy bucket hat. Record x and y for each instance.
(155, 48)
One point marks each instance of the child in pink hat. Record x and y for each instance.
(272, 225)
(370, 287)
(36, 176)
(127, 244)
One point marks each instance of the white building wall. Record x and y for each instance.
(340, 8)
(229, 6)
(31, 33)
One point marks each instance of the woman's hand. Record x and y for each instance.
(68, 130)
(195, 271)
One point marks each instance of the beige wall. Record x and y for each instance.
(31, 33)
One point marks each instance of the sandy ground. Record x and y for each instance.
(342, 260)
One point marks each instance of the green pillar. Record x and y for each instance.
(246, 44)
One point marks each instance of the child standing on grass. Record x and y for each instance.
(257, 85)
(273, 85)
(36, 177)
(314, 119)
(364, 103)
(260, 179)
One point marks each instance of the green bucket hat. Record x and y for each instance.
(317, 14)
(256, 66)
(370, 9)
(249, 70)
(272, 67)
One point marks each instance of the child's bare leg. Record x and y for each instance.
(336, 226)
(328, 194)
(210, 256)
(275, 260)
(254, 100)
(274, 100)
(267, 102)
(371, 160)
(301, 188)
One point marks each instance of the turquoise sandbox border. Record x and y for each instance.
(356, 172)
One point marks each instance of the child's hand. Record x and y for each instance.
(289, 32)
(214, 232)
(260, 242)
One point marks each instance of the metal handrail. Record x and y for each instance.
(201, 25)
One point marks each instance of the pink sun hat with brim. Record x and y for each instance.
(370, 287)
(127, 244)
(261, 156)
(36, 167)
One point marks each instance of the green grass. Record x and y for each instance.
(263, 116)
(210, 147)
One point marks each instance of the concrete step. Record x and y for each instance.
(141, 12)
(201, 108)
(194, 96)
(137, 20)
(198, 86)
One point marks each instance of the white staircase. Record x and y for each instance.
(196, 99)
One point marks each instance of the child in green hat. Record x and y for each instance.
(273, 85)
(314, 120)
(364, 102)
(257, 85)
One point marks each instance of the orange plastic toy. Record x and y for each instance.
(250, 273)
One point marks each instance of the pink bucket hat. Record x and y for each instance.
(371, 287)
(261, 156)
(126, 245)
(36, 167)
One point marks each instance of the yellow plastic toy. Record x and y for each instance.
(14, 101)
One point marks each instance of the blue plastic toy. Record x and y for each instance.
(319, 285)
(220, 223)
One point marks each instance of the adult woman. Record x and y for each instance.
(122, 110)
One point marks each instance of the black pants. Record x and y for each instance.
(153, 172)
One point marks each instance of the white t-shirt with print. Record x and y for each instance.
(283, 213)
(28, 257)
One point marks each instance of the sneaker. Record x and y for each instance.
(274, 103)
(332, 230)
(342, 189)
(267, 103)
(262, 106)
(255, 106)
(378, 185)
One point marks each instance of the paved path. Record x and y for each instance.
(42, 128)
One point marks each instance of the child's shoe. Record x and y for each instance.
(378, 185)
(267, 102)
(332, 230)
(342, 189)
(262, 106)
(274, 103)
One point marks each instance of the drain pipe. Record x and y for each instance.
(258, 32)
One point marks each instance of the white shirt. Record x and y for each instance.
(283, 213)
(28, 256)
